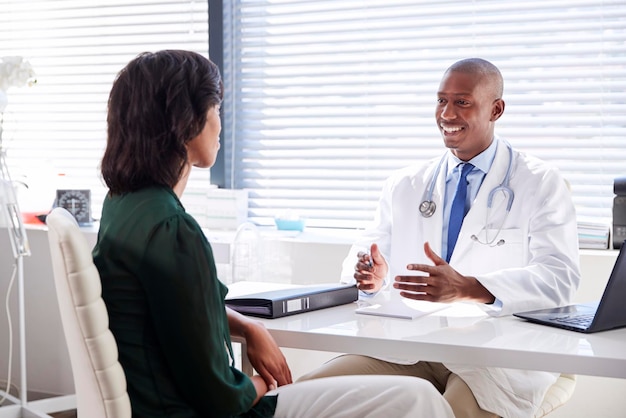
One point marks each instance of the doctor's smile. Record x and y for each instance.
(451, 129)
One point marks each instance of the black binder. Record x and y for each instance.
(290, 301)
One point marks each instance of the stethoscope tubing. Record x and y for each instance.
(428, 207)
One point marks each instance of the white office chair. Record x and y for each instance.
(557, 395)
(99, 379)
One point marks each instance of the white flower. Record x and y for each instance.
(15, 72)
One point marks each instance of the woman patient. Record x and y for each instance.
(159, 283)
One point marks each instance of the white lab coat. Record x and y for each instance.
(537, 266)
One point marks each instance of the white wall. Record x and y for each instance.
(309, 258)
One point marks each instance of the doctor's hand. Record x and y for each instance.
(441, 283)
(370, 270)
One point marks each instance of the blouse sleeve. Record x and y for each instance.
(186, 301)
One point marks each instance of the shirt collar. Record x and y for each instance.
(482, 161)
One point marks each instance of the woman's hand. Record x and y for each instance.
(266, 357)
(260, 386)
(262, 351)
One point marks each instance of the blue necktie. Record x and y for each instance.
(458, 210)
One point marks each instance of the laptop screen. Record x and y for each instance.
(611, 311)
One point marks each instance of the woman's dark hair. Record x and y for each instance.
(157, 104)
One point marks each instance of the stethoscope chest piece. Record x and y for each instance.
(427, 208)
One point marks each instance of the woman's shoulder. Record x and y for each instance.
(145, 201)
(150, 207)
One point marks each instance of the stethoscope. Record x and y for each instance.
(428, 207)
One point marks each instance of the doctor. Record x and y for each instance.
(517, 248)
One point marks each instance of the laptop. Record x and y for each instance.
(608, 313)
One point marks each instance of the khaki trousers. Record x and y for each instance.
(453, 388)
(361, 397)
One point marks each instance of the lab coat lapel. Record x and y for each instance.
(431, 227)
(476, 218)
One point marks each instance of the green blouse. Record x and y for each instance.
(166, 311)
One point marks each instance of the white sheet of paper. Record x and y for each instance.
(402, 308)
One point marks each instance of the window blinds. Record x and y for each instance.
(76, 48)
(326, 98)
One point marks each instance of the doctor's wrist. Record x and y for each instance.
(479, 293)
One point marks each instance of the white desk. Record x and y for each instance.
(442, 336)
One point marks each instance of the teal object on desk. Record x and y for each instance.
(290, 224)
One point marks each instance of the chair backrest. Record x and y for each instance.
(99, 379)
(558, 394)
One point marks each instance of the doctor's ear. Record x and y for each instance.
(497, 109)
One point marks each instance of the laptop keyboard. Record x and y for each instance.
(580, 320)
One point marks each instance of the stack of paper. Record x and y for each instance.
(593, 234)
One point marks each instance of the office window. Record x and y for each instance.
(76, 48)
(326, 98)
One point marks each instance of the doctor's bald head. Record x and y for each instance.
(486, 72)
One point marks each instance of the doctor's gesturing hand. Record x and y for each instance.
(441, 283)
(370, 270)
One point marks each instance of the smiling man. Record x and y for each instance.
(485, 224)
(469, 102)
